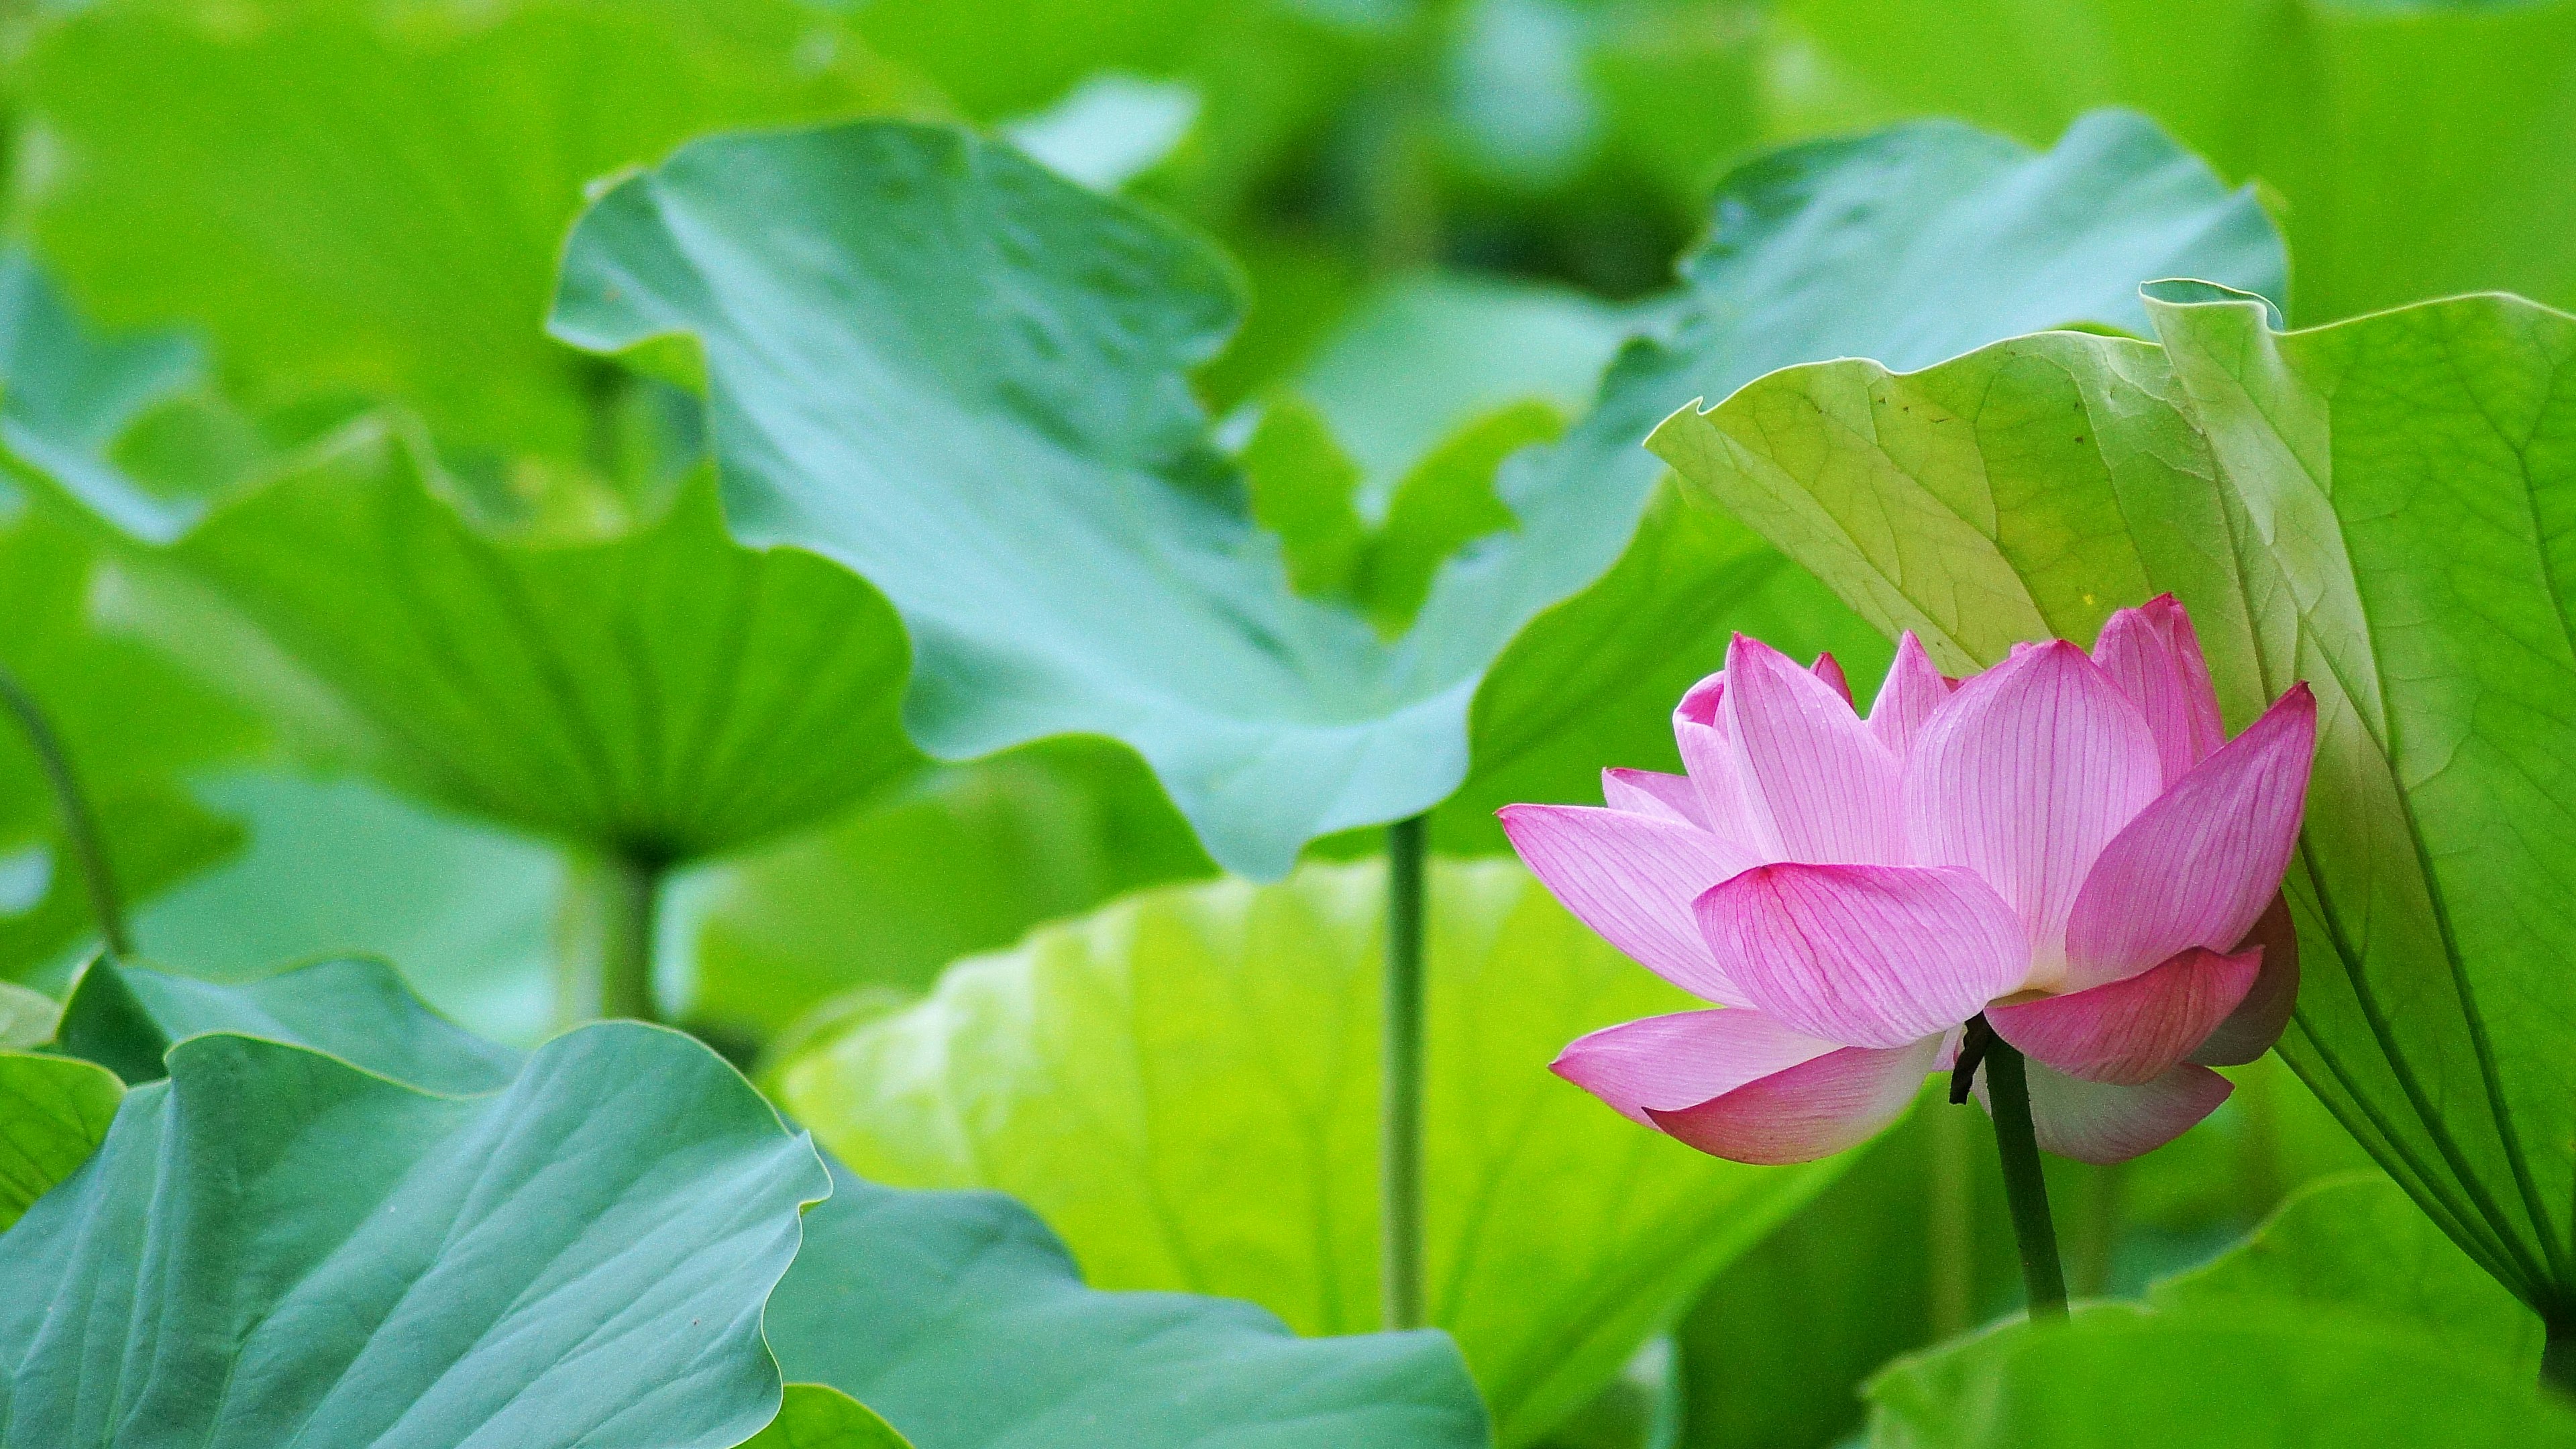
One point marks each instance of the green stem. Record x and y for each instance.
(2025, 1188)
(1400, 1107)
(605, 966)
(80, 827)
(2558, 1355)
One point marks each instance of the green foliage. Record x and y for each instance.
(2410, 147)
(2290, 489)
(385, 220)
(961, 1318)
(69, 395)
(407, 1268)
(1186, 1086)
(662, 692)
(812, 1416)
(54, 1112)
(843, 285)
(2347, 1319)
(961, 859)
(127, 1017)
(341, 867)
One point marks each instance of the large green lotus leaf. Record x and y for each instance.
(964, 378)
(964, 859)
(2347, 1319)
(961, 1318)
(661, 692)
(273, 1243)
(362, 198)
(1186, 1085)
(54, 1111)
(340, 867)
(2372, 507)
(2413, 146)
(127, 1017)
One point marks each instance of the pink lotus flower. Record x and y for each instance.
(2066, 843)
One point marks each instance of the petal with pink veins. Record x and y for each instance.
(2153, 655)
(1632, 878)
(1666, 1063)
(1864, 955)
(1654, 793)
(2259, 1019)
(1817, 786)
(1814, 1109)
(2131, 1031)
(2022, 776)
(2197, 867)
(1912, 690)
(1830, 670)
(2100, 1123)
(1700, 733)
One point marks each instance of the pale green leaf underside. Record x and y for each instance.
(961, 1318)
(965, 378)
(663, 691)
(2381, 508)
(1185, 1086)
(580, 1258)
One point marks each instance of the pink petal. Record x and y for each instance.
(1700, 731)
(1814, 1109)
(1671, 1062)
(2197, 867)
(1912, 690)
(2258, 1020)
(2023, 776)
(2131, 1031)
(1632, 878)
(2098, 1122)
(2153, 655)
(1864, 955)
(1652, 792)
(1817, 787)
(1830, 670)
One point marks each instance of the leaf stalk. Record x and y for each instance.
(1400, 1103)
(80, 826)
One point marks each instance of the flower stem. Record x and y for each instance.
(80, 828)
(2025, 1188)
(1400, 1105)
(2558, 1354)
